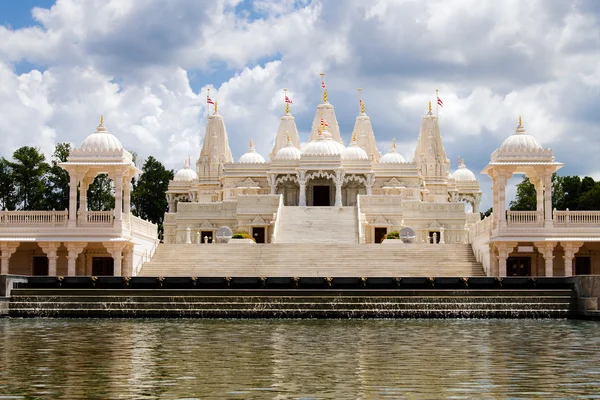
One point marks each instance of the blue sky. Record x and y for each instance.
(147, 64)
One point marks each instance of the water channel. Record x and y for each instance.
(308, 359)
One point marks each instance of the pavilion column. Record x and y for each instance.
(547, 250)
(170, 202)
(502, 201)
(50, 249)
(302, 183)
(116, 251)
(73, 251)
(570, 249)
(84, 184)
(7, 249)
(272, 181)
(72, 199)
(128, 261)
(127, 196)
(539, 196)
(548, 201)
(476, 203)
(118, 197)
(504, 250)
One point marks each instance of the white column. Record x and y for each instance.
(302, 183)
(272, 181)
(118, 197)
(502, 256)
(72, 200)
(127, 268)
(548, 201)
(84, 184)
(339, 181)
(188, 235)
(7, 248)
(442, 240)
(539, 196)
(127, 196)
(502, 201)
(571, 249)
(50, 249)
(73, 250)
(370, 182)
(547, 250)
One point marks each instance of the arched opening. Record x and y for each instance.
(320, 192)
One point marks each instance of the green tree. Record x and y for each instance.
(7, 188)
(487, 213)
(58, 179)
(29, 176)
(525, 199)
(148, 198)
(590, 199)
(101, 194)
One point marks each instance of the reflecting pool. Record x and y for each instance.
(314, 359)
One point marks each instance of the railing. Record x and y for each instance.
(483, 226)
(361, 233)
(46, 218)
(143, 227)
(524, 218)
(277, 218)
(146, 257)
(96, 217)
(568, 218)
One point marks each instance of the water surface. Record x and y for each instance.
(314, 359)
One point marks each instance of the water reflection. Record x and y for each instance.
(329, 359)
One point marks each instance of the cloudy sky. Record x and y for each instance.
(146, 66)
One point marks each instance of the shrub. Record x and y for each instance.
(242, 235)
(391, 235)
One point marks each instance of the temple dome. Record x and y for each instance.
(186, 174)
(392, 157)
(353, 152)
(463, 174)
(101, 141)
(520, 141)
(288, 152)
(323, 145)
(251, 157)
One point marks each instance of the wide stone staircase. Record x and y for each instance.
(313, 259)
(318, 225)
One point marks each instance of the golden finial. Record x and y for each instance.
(251, 144)
(287, 103)
(360, 102)
(101, 119)
(354, 136)
(324, 87)
(430, 107)
(216, 106)
(393, 143)
(520, 120)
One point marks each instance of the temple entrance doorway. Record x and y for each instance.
(518, 266)
(103, 266)
(434, 237)
(207, 234)
(321, 196)
(40, 266)
(583, 266)
(258, 233)
(379, 234)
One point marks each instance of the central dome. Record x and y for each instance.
(186, 174)
(288, 152)
(323, 145)
(463, 174)
(353, 152)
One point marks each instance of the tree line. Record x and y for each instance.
(29, 182)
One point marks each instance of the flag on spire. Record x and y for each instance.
(209, 100)
(288, 100)
(440, 102)
(323, 122)
(323, 82)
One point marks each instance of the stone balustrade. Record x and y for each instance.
(96, 217)
(576, 218)
(36, 218)
(483, 226)
(142, 226)
(524, 218)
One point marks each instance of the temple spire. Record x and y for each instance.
(520, 120)
(102, 120)
(429, 109)
(287, 101)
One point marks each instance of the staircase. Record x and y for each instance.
(318, 225)
(313, 259)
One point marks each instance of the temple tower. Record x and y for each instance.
(215, 148)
